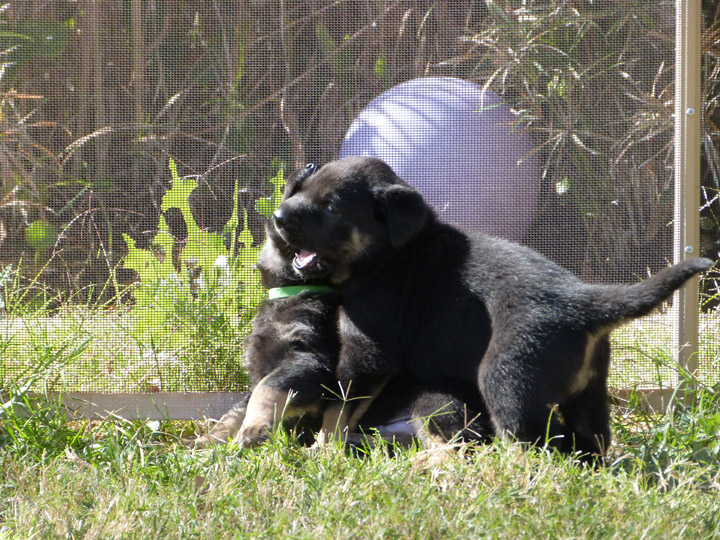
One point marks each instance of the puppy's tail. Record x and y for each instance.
(617, 303)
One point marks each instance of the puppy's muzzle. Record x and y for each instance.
(288, 226)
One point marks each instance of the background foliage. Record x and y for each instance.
(97, 96)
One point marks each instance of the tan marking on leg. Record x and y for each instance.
(586, 372)
(265, 411)
(364, 404)
(343, 417)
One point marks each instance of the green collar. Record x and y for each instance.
(283, 292)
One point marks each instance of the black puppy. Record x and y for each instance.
(292, 355)
(422, 297)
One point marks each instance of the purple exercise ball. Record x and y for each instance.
(460, 146)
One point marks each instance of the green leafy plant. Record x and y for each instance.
(197, 295)
(267, 205)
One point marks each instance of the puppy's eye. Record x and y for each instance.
(330, 208)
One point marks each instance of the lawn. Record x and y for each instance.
(134, 480)
(592, 81)
(122, 479)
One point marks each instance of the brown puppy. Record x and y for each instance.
(424, 298)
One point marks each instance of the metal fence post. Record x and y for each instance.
(688, 115)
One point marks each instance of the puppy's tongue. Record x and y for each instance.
(304, 258)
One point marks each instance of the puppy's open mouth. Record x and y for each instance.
(307, 262)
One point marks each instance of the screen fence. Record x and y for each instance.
(143, 144)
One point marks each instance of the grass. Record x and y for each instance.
(642, 357)
(94, 350)
(134, 480)
(122, 479)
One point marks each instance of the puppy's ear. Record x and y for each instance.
(405, 212)
(297, 177)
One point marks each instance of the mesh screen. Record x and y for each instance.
(143, 140)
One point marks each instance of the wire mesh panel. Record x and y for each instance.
(144, 143)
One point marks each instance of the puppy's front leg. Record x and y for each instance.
(335, 421)
(265, 411)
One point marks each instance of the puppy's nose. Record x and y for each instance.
(286, 218)
(279, 217)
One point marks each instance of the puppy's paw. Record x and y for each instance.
(436, 456)
(327, 438)
(253, 435)
(223, 431)
(216, 436)
(204, 441)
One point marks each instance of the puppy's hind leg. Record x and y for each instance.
(587, 420)
(587, 412)
(523, 381)
(447, 416)
(450, 423)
